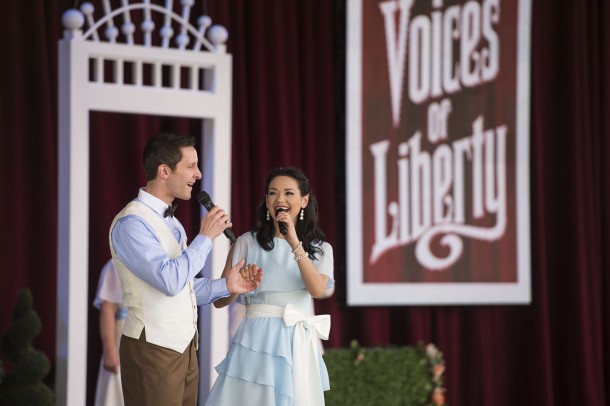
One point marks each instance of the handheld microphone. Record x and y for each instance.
(204, 198)
(281, 224)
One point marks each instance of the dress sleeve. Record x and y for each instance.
(109, 286)
(241, 248)
(240, 251)
(325, 264)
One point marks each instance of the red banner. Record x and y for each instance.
(438, 152)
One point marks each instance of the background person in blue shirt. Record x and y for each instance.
(108, 300)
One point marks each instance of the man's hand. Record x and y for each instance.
(243, 279)
(214, 222)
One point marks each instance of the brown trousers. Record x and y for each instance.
(156, 376)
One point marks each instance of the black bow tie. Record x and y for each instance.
(170, 210)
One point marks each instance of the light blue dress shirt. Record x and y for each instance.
(136, 244)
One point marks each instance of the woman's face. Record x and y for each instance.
(284, 193)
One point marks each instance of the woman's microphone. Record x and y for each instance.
(281, 224)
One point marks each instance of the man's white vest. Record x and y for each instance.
(170, 321)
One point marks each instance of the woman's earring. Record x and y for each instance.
(302, 213)
(268, 215)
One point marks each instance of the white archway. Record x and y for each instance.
(125, 77)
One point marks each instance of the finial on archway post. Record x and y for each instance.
(73, 20)
(218, 36)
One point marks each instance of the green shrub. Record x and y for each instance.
(22, 385)
(384, 376)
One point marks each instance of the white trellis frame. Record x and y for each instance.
(124, 77)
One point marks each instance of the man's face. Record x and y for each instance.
(181, 180)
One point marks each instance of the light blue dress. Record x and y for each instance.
(258, 367)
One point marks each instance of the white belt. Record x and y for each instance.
(305, 368)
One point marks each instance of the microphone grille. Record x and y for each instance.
(204, 198)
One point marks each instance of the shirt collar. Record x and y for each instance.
(153, 202)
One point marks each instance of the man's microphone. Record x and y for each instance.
(281, 224)
(204, 198)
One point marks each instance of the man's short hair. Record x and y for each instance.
(164, 148)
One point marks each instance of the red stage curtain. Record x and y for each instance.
(289, 106)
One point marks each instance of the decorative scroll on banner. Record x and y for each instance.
(438, 152)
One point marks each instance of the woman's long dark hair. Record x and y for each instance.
(308, 230)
